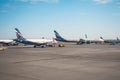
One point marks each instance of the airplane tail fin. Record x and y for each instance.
(17, 30)
(19, 35)
(101, 38)
(86, 36)
(58, 37)
(118, 39)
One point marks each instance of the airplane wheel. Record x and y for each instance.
(34, 46)
(42, 46)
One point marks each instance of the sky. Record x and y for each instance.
(71, 18)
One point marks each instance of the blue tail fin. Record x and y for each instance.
(86, 36)
(57, 34)
(101, 38)
(19, 35)
(118, 39)
(17, 30)
(58, 37)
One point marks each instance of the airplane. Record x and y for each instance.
(6, 42)
(36, 42)
(61, 39)
(111, 41)
(81, 41)
(96, 41)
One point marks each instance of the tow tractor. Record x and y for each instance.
(61, 45)
(2, 48)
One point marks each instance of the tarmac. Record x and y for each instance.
(72, 62)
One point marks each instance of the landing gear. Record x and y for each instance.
(42, 46)
(34, 46)
(80, 42)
